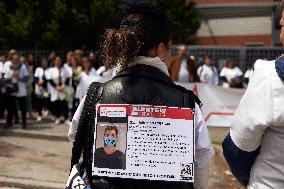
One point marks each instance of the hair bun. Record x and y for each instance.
(141, 7)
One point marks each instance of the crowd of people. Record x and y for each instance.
(183, 69)
(49, 87)
(56, 87)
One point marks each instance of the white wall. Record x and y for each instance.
(237, 26)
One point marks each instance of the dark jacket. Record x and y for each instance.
(140, 84)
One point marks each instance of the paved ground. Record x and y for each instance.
(39, 157)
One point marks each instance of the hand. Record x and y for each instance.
(60, 88)
(15, 78)
(40, 82)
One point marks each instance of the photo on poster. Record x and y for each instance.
(110, 146)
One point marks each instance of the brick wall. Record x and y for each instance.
(266, 40)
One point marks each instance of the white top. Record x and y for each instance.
(84, 83)
(68, 69)
(39, 73)
(183, 76)
(208, 74)
(259, 121)
(1, 68)
(248, 73)
(105, 75)
(53, 74)
(6, 66)
(230, 74)
(22, 72)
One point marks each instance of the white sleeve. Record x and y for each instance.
(24, 71)
(255, 111)
(75, 121)
(199, 70)
(239, 72)
(223, 72)
(203, 151)
(47, 73)
(36, 72)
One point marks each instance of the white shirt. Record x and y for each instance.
(105, 75)
(53, 74)
(39, 73)
(84, 83)
(183, 76)
(22, 72)
(68, 69)
(1, 67)
(230, 74)
(248, 73)
(6, 66)
(259, 121)
(208, 74)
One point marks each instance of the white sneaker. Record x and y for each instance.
(39, 119)
(57, 121)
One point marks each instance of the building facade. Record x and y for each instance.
(239, 22)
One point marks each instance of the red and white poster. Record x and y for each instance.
(144, 142)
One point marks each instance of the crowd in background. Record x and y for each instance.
(184, 69)
(55, 85)
(51, 86)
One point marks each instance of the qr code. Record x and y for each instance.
(186, 173)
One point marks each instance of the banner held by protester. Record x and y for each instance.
(219, 104)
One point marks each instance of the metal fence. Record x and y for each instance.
(244, 57)
(42, 53)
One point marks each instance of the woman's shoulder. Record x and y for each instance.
(264, 65)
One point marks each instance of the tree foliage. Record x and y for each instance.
(77, 23)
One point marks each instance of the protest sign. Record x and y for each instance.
(144, 142)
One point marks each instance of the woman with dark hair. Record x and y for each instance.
(141, 50)
(41, 88)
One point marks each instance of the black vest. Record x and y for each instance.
(140, 84)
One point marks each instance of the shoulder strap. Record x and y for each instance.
(83, 126)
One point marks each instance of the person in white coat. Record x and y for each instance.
(87, 76)
(58, 79)
(208, 73)
(41, 92)
(16, 77)
(254, 147)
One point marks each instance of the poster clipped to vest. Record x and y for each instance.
(144, 142)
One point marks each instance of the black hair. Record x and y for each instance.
(111, 127)
(143, 26)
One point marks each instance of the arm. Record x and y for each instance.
(203, 151)
(52, 83)
(252, 117)
(255, 111)
(75, 121)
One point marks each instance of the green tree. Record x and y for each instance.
(78, 23)
(184, 18)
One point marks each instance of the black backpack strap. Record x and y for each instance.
(84, 127)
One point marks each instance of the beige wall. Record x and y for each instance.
(236, 27)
